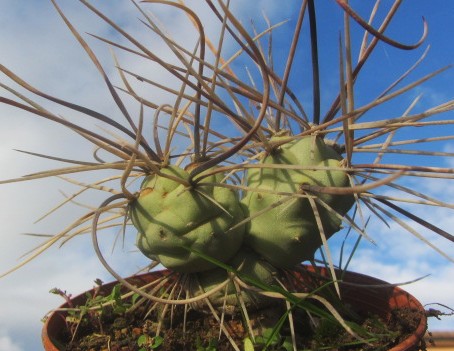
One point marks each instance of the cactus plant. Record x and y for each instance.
(288, 233)
(238, 185)
(171, 217)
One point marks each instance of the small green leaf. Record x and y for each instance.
(248, 345)
(134, 298)
(142, 340)
(157, 341)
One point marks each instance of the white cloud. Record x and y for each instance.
(400, 257)
(40, 49)
(436, 288)
(6, 344)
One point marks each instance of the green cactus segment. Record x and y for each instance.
(251, 267)
(287, 233)
(172, 217)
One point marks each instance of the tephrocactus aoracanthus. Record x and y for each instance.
(173, 217)
(287, 233)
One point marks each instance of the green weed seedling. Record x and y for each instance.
(270, 340)
(212, 345)
(146, 342)
(96, 309)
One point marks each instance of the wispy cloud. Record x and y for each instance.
(37, 46)
(7, 344)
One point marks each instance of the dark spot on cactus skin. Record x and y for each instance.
(145, 191)
(162, 234)
(275, 151)
(303, 186)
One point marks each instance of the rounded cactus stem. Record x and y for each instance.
(283, 226)
(251, 267)
(175, 221)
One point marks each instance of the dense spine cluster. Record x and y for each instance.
(177, 221)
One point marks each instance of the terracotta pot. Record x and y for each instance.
(377, 297)
(364, 292)
(54, 327)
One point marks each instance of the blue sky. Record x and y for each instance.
(36, 45)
